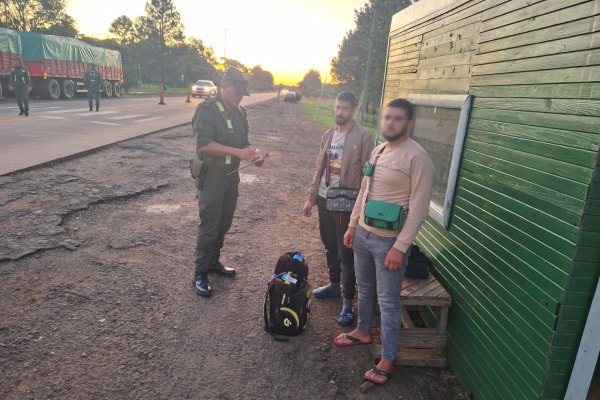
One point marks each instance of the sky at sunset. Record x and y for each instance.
(286, 37)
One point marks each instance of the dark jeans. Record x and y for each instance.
(217, 201)
(340, 259)
(94, 95)
(22, 95)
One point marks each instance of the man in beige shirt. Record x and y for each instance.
(402, 175)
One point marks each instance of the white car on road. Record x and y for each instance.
(204, 89)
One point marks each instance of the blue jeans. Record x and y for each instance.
(374, 279)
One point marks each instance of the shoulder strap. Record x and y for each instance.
(328, 162)
(223, 113)
(374, 164)
(266, 310)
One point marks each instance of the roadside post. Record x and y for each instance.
(162, 93)
(189, 92)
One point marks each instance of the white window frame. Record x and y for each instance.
(461, 102)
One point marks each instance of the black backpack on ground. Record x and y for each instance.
(287, 301)
(418, 263)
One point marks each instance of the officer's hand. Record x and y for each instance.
(308, 208)
(247, 154)
(349, 237)
(257, 161)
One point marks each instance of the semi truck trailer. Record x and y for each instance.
(10, 49)
(57, 64)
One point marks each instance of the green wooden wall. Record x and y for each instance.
(522, 255)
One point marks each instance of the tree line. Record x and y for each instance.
(152, 45)
(349, 66)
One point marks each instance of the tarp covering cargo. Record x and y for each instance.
(9, 41)
(38, 47)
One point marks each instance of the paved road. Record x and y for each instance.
(58, 129)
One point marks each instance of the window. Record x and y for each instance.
(440, 126)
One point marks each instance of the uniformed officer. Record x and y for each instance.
(20, 83)
(93, 84)
(221, 128)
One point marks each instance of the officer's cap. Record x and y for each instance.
(235, 77)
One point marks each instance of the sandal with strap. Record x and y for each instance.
(353, 341)
(377, 371)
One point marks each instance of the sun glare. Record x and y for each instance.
(285, 37)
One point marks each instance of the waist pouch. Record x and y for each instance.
(198, 172)
(384, 215)
(341, 199)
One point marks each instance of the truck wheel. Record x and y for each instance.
(52, 89)
(116, 89)
(68, 89)
(1, 89)
(108, 90)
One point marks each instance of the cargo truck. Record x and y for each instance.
(57, 64)
(10, 49)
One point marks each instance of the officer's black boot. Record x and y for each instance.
(201, 285)
(91, 107)
(27, 113)
(219, 268)
(22, 112)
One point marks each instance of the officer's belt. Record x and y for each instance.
(217, 163)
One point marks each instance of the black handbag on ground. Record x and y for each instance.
(418, 264)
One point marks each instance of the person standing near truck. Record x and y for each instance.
(93, 84)
(220, 125)
(20, 83)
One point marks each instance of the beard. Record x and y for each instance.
(394, 137)
(341, 120)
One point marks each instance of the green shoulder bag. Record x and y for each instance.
(381, 214)
(384, 215)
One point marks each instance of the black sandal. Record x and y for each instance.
(377, 371)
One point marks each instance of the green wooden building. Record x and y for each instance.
(507, 97)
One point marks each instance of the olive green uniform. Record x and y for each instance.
(20, 80)
(218, 192)
(93, 84)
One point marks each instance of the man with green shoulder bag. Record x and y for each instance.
(392, 205)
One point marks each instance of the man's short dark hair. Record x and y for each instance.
(348, 96)
(403, 104)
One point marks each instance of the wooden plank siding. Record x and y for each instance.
(522, 254)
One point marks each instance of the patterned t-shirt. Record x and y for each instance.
(335, 163)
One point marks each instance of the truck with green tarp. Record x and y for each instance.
(10, 49)
(57, 65)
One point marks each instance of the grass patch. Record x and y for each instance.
(155, 89)
(324, 117)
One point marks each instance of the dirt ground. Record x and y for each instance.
(96, 261)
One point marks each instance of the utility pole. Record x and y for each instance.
(320, 98)
(162, 53)
(225, 45)
(363, 106)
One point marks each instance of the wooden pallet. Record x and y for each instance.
(420, 346)
(424, 346)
